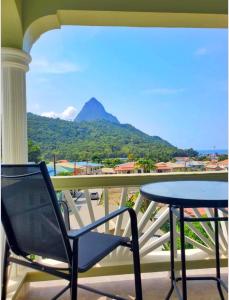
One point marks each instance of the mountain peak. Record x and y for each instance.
(93, 100)
(94, 110)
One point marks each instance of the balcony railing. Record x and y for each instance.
(152, 222)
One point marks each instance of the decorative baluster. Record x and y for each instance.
(146, 217)
(118, 224)
(153, 228)
(106, 208)
(72, 206)
(89, 206)
(222, 238)
(127, 231)
(137, 207)
(205, 226)
(198, 245)
(224, 228)
(122, 202)
(155, 244)
(207, 241)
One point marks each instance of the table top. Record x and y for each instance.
(188, 193)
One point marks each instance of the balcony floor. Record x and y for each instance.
(155, 287)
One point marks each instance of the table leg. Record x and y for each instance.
(172, 266)
(217, 254)
(183, 261)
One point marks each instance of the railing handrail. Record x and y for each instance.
(122, 180)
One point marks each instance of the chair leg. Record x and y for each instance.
(73, 291)
(172, 264)
(74, 272)
(137, 274)
(5, 270)
(217, 254)
(183, 259)
(136, 258)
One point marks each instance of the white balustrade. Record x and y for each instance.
(151, 223)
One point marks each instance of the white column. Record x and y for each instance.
(15, 64)
(13, 111)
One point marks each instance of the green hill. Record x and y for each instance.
(96, 140)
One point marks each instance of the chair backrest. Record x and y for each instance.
(31, 215)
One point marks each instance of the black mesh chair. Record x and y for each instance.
(34, 225)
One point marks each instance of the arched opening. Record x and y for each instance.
(154, 79)
(201, 16)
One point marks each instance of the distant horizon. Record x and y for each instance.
(168, 82)
(212, 151)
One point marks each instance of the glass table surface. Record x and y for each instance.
(188, 193)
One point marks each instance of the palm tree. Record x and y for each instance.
(146, 164)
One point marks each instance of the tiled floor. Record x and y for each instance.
(155, 287)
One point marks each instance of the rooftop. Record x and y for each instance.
(126, 166)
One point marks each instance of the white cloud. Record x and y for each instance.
(200, 51)
(68, 114)
(42, 65)
(163, 91)
(50, 114)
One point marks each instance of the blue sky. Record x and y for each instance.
(166, 82)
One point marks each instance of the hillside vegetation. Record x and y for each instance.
(97, 140)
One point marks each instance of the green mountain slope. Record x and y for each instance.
(96, 140)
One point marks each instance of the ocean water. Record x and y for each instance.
(212, 151)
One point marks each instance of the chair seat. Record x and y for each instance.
(94, 246)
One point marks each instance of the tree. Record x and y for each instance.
(130, 157)
(203, 157)
(111, 162)
(96, 158)
(222, 157)
(34, 152)
(146, 164)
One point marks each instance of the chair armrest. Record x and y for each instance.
(75, 234)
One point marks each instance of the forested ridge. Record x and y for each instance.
(97, 140)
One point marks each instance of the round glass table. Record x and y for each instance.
(190, 194)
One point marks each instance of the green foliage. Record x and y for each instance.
(222, 157)
(203, 157)
(188, 232)
(32, 257)
(130, 157)
(34, 152)
(186, 152)
(65, 173)
(146, 164)
(145, 203)
(129, 203)
(97, 140)
(111, 162)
